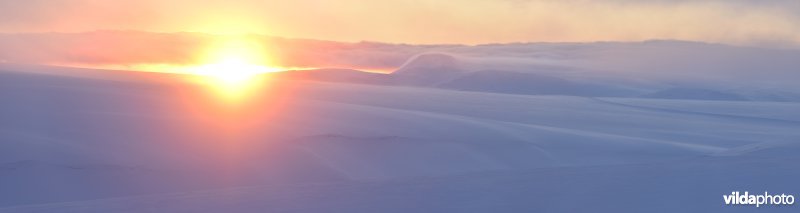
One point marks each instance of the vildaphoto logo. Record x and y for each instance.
(736, 198)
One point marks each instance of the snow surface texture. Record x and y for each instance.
(467, 139)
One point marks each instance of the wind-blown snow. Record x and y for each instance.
(653, 69)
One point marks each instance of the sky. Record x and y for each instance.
(752, 23)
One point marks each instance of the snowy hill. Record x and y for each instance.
(653, 69)
(127, 141)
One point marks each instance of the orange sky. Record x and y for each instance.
(775, 23)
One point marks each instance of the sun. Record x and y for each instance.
(233, 66)
(232, 70)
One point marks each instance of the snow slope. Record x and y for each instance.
(92, 141)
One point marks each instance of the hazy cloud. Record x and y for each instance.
(770, 23)
(125, 48)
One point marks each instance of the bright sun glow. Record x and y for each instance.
(234, 66)
(232, 70)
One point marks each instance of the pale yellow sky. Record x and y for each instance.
(425, 21)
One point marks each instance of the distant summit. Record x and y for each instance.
(428, 69)
(429, 63)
